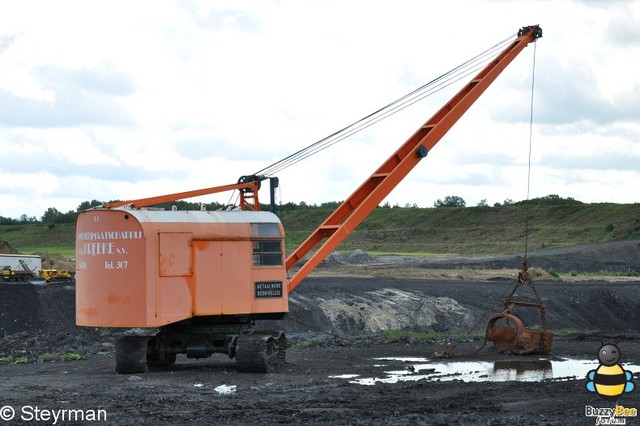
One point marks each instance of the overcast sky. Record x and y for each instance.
(119, 99)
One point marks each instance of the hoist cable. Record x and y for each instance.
(349, 131)
(533, 79)
(401, 103)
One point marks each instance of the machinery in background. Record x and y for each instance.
(57, 276)
(22, 268)
(19, 268)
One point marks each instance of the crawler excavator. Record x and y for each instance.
(194, 282)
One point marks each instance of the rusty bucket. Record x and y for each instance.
(514, 337)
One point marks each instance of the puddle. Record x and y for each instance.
(399, 369)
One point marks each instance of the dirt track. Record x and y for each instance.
(333, 324)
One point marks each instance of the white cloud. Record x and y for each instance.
(133, 99)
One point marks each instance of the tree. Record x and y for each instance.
(8, 221)
(483, 203)
(551, 200)
(450, 201)
(51, 215)
(330, 205)
(85, 205)
(25, 218)
(68, 217)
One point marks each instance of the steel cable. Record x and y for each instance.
(533, 79)
(450, 77)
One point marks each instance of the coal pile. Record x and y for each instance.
(37, 323)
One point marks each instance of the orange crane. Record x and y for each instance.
(194, 282)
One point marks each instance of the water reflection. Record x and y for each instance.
(397, 369)
(535, 371)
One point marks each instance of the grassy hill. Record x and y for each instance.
(29, 238)
(469, 230)
(478, 230)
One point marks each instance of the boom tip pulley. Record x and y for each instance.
(537, 31)
(251, 178)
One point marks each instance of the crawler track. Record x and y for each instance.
(260, 352)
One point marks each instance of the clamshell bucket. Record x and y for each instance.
(511, 335)
(514, 337)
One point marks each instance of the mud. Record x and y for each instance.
(339, 332)
(621, 257)
(304, 391)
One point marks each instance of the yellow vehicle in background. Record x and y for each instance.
(16, 268)
(10, 275)
(56, 276)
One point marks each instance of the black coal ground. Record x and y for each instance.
(40, 337)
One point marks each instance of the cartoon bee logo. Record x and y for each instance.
(609, 380)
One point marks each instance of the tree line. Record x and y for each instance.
(53, 216)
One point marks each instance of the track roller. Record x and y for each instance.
(260, 352)
(159, 356)
(131, 354)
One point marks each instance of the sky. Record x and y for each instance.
(113, 100)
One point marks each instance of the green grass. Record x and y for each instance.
(566, 331)
(39, 238)
(390, 336)
(424, 231)
(65, 251)
(472, 230)
(49, 356)
(606, 273)
(72, 356)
